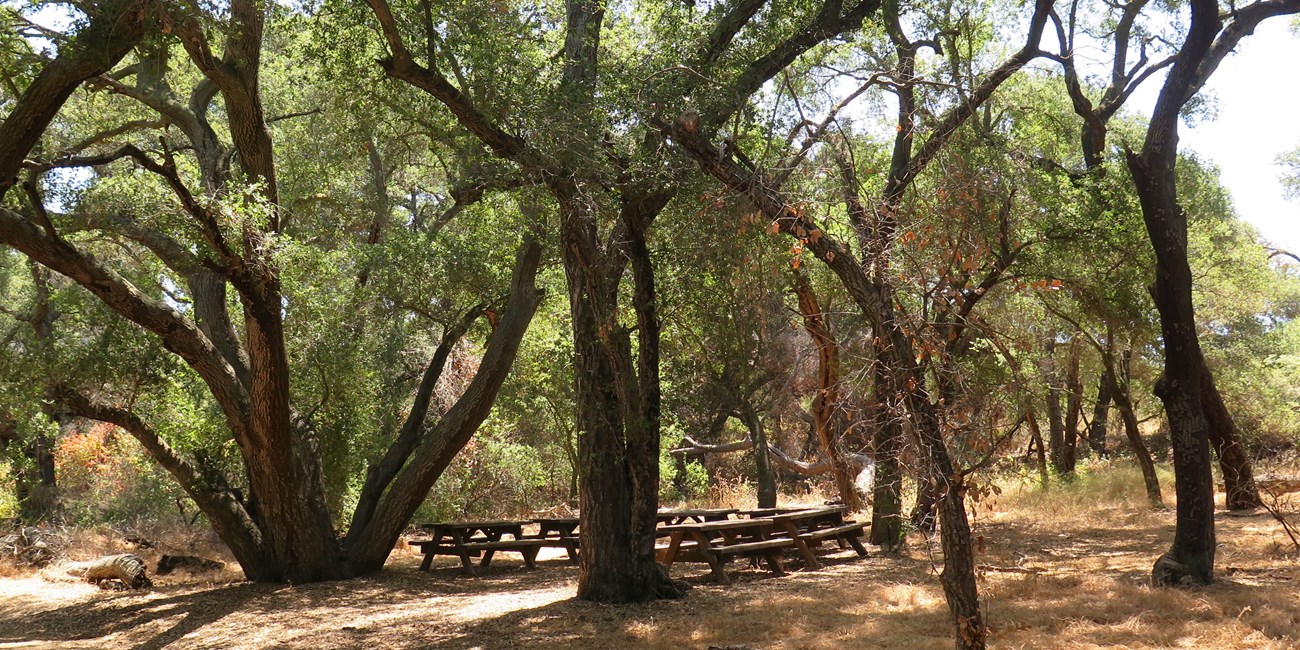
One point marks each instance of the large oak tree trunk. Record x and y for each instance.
(618, 412)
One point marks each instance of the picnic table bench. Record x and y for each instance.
(808, 528)
(717, 541)
(460, 539)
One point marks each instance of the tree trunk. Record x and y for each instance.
(762, 457)
(433, 452)
(36, 486)
(1073, 411)
(1055, 418)
(1125, 407)
(617, 410)
(1100, 412)
(887, 499)
(826, 403)
(1238, 478)
(1036, 439)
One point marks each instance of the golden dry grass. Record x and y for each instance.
(1057, 572)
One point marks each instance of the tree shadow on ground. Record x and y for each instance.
(1047, 585)
(172, 615)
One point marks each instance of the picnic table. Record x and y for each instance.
(468, 539)
(696, 515)
(808, 528)
(768, 512)
(559, 532)
(717, 541)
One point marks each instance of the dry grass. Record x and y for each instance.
(1058, 572)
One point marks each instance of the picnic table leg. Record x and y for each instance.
(465, 562)
(774, 562)
(488, 553)
(806, 551)
(572, 549)
(430, 550)
(856, 543)
(674, 544)
(716, 567)
(530, 556)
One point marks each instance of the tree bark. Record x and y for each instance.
(1100, 412)
(1073, 411)
(762, 458)
(1238, 477)
(826, 404)
(887, 499)
(1120, 395)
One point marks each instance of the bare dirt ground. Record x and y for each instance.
(1055, 575)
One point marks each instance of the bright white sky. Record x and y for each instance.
(1258, 92)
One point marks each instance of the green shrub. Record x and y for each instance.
(493, 478)
(8, 496)
(106, 478)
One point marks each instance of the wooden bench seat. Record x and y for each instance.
(850, 532)
(750, 547)
(528, 548)
(567, 542)
(768, 549)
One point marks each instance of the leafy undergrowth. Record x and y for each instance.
(1057, 572)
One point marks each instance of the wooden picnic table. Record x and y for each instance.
(716, 541)
(808, 528)
(562, 526)
(468, 539)
(696, 515)
(768, 512)
(559, 532)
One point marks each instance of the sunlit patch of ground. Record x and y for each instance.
(1053, 577)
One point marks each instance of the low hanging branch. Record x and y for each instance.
(821, 466)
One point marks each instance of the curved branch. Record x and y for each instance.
(112, 32)
(179, 334)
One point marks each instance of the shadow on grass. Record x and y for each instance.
(1077, 585)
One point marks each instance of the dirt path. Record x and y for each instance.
(1048, 584)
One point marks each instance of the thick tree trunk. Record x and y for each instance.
(617, 406)
(1238, 477)
(1190, 560)
(887, 497)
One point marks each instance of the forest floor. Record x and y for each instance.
(1059, 569)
